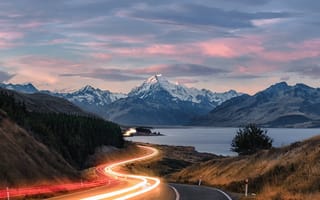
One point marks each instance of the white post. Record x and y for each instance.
(8, 195)
(246, 188)
(199, 182)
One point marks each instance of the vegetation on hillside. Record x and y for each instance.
(25, 161)
(291, 172)
(250, 139)
(74, 137)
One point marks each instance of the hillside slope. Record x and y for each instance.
(291, 172)
(38, 102)
(24, 160)
(72, 135)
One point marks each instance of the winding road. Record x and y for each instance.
(144, 187)
(121, 186)
(131, 186)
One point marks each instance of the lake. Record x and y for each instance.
(218, 140)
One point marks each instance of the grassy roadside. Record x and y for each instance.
(171, 159)
(287, 173)
(291, 172)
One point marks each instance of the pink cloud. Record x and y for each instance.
(231, 47)
(156, 49)
(8, 39)
(31, 25)
(217, 49)
(301, 50)
(58, 41)
(43, 64)
(10, 35)
(224, 48)
(101, 56)
(6, 44)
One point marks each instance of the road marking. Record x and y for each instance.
(176, 192)
(222, 192)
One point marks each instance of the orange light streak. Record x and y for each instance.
(144, 180)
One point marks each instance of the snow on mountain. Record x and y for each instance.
(90, 95)
(180, 92)
(23, 88)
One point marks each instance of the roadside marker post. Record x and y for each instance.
(199, 183)
(8, 194)
(246, 188)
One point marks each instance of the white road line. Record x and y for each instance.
(176, 192)
(222, 192)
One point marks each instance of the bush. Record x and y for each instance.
(250, 139)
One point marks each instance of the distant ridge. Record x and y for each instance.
(24, 88)
(39, 102)
(280, 105)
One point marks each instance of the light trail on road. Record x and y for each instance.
(136, 185)
(47, 189)
(144, 184)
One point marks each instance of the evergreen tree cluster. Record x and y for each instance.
(74, 137)
(250, 139)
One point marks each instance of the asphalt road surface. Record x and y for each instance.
(194, 192)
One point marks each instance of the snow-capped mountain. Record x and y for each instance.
(92, 96)
(23, 88)
(181, 92)
(90, 99)
(158, 102)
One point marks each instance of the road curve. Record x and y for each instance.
(194, 192)
(134, 187)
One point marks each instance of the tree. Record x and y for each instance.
(250, 139)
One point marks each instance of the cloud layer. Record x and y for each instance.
(213, 44)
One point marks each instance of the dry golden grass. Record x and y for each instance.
(291, 172)
(171, 159)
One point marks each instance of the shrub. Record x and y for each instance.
(250, 139)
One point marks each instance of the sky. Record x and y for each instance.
(245, 45)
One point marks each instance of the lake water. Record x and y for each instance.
(218, 140)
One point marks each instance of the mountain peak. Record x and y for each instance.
(87, 88)
(278, 86)
(158, 78)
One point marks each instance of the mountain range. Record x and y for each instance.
(155, 102)
(280, 105)
(159, 102)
